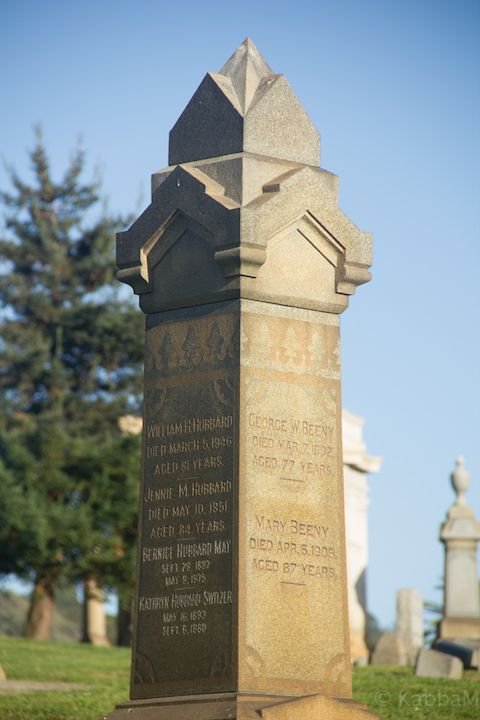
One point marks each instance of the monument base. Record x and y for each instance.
(455, 628)
(237, 706)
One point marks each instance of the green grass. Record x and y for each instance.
(393, 693)
(104, 670)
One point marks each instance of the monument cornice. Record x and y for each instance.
(300, 201)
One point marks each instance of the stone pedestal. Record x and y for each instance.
(242, 262)
(460, 533)
(239, 706)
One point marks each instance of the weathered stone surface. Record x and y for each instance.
(431, 663)
(410, 621)
(460, 533)
(390, 650)
(469, 656)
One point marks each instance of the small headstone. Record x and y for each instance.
(2, 674)
(468, 655)
(431, 663)
(410, 621)
(390, 650)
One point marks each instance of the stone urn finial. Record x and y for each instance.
(460, 480)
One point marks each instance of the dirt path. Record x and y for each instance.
(8, 687)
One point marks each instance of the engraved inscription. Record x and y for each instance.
(293, 538)
(186, 536)
(185, 585)
(292, 527)
(297, 550)
(292, 447)
(183, 451)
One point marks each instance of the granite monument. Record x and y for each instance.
(243, 263)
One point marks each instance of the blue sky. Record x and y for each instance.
(394, 89)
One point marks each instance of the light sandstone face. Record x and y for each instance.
(242, 262)
(293, 628)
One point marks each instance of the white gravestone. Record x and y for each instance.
(460, 533)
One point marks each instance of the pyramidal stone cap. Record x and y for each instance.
(245, 107)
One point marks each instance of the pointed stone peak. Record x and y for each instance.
(244, 108)
(246, 69)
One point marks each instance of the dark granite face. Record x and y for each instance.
(185, 601)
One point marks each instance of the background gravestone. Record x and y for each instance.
(242, 263)
(431, 663)
(460, 534)
(390, 650)
(410, 621)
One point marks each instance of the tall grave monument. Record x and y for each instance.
(243, 263)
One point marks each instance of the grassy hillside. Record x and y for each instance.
(393, 693)
(105, 672)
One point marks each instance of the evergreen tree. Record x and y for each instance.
(70, 357)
